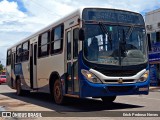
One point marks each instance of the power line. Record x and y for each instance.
(48, 10)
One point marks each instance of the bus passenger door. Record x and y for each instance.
(33, 66)
(72, 82)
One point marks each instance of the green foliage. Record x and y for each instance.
(1, 67)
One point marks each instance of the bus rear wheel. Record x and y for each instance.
(19, 90)
(108, 99)
(57, 92)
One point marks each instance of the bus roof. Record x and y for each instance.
(59, 21)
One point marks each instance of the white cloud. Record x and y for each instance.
(15, 24)
(10, 15)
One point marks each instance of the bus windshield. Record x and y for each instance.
(115, 43)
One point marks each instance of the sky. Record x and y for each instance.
(21, 18)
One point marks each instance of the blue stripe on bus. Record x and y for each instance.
(88, 89)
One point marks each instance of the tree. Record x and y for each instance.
(1, 67)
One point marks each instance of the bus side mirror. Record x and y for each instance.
(81, 34)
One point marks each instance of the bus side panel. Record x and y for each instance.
(19, 73)
(25, 77)
(8, 75)
(13, 78)
(47, 65)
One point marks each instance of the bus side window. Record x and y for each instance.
(75, 42)
(69, 45)
(57, 39)
(8, 57)
(19, 53)
(43, 44)
(25, 51)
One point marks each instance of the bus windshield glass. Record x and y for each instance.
(112, 39)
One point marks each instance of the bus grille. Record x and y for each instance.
(120, 88)
(119, 73)
(124, 81)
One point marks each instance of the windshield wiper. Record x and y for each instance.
(129, 31)
(104, 29)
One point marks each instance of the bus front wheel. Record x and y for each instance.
(108, 99)
(57, 90)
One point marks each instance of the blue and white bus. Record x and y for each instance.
(93, 52)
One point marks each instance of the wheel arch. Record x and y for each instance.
(53, 77)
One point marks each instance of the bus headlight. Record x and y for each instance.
(143, 77)
(90, 76)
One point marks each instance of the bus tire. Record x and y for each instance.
(108, 99)
(19, 90)
(57, 92)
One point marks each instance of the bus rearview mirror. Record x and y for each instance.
(81, 35)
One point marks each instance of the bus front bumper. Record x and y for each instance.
(99, 90)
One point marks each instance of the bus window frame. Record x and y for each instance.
(40, 45)
(9, 57)
(75, 42)
(18, 53)
(27, 51)
(60, 50)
